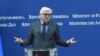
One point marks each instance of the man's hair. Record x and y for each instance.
(45, 8)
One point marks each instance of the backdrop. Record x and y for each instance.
(1, 51)
(76, 18)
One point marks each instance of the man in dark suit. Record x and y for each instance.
(43, 33)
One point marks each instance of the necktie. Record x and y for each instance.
(44, 30)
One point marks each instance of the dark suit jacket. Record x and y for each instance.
(49, 41)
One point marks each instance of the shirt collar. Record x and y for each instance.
(42, 22)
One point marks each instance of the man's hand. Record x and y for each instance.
(71, 41)
(18, 40)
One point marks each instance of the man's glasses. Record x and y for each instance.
(46, 14)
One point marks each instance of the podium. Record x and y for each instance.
(41, 52)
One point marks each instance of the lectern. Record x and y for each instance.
(41, 52)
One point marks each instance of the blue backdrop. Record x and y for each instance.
(1, 50)
(16, 14)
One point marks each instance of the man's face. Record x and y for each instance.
(45, 16)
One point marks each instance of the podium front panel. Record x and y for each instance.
(41, 52)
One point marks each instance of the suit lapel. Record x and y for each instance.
(48, 31)
(39, 30)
